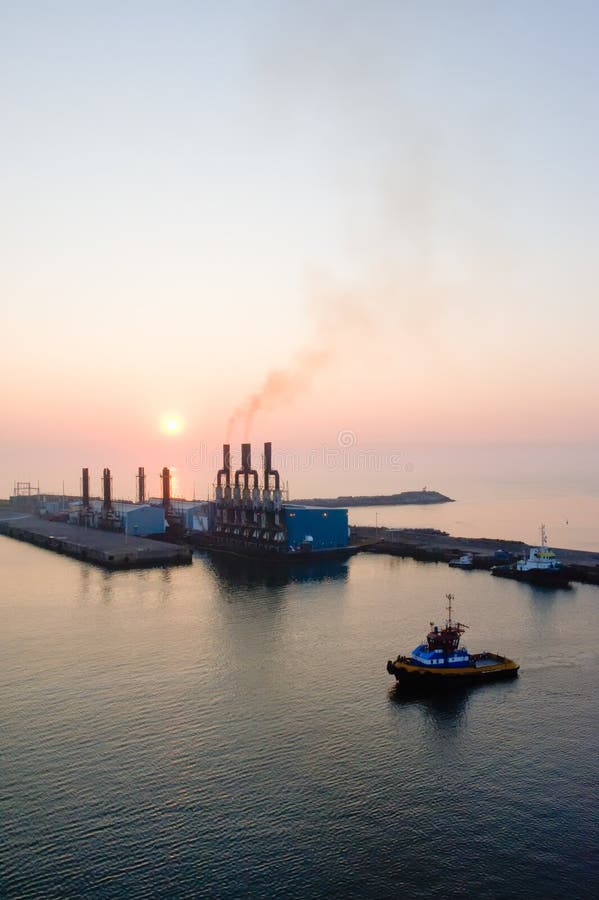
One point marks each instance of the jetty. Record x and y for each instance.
(433, 545)
(109, 549)
(405, 498)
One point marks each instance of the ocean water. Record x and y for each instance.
(500, 491)
(571, 522)
(219, 731)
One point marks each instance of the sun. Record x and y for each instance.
(171, 423)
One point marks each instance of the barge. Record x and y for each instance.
(250, 518)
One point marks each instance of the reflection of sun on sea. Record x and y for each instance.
(171, 424)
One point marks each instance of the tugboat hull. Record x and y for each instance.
(420, 678)
(439, 662)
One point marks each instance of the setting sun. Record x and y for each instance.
(171, 424)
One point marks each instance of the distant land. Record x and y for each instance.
(403, 499)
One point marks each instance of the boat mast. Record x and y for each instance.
(449, 599)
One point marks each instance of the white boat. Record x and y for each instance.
(540, 559)
(541, 566)
(463, 562)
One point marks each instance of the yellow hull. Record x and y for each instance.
(416, 675)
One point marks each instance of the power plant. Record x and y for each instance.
(248, 516)
(251, 514)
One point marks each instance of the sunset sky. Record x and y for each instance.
(305, 222)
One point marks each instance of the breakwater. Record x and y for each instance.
(405, 498)
(109, 549)
(432, 545)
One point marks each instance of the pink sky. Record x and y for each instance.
(405, 251)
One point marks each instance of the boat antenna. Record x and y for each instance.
(449, 598)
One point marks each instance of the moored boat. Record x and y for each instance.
(540, 567)
(439, 662)
(466, 561)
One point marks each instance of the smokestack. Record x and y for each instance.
(246, 462)
(166, 489)
(268, 469)
(85, 488)
(106, 484)
(246, 467)
(226, 469)
(141, 485)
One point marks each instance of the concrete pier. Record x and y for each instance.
(110, 549)
(430, 545)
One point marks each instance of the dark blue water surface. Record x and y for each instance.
(215, 731)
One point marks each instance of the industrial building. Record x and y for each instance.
(130, 518)
(27, 498)
(140, 519)
(316, 526)
(247, 517)
(251, 519)
(194, 515)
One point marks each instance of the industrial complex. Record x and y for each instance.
(253, 520)
(247, 516)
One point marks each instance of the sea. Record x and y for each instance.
(221, 730)
(570, 523)
(499, 491)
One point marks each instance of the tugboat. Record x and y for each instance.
(439, 662)
(541, 567)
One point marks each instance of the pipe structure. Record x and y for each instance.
(141, 485)
(246, 467)
(106, 484)
(226, 469)
(268, 469)
(246, 456)
(166, 489)
(85, 488)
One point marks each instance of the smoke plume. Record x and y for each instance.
(337, 318)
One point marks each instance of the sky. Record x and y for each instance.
(333, 225)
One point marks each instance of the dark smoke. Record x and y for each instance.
(337, 320)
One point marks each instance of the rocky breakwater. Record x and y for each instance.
(432, 545)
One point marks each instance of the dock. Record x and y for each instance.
(432, 545)
(109, 549)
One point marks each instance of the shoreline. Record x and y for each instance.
(405, 498)
(109, 549)
(432, 545)
(114, 550)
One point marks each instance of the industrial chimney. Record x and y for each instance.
(246, 467)
(166, 489)
(141, 485)
(106, 485)
(268, 469)
(246, 470)
(85, 488)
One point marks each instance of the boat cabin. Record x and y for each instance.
(442, 645)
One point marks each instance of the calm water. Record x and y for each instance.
(572, 521)
(500, 491)
(210, 732)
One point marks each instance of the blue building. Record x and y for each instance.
(195, 515)
(141, 520)
(315, 526)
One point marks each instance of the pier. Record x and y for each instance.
(109, 549)
(431, 545)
